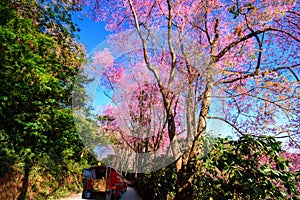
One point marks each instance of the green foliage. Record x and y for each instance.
(249, 168)
(160, 184)
(39, 60)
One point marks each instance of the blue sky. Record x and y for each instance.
(92, 33)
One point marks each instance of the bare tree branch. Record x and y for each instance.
(227, 122)
(255, 73)
(170, 40)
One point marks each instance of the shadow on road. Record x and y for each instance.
(131, 194)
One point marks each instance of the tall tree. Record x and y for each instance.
(39, 62)
(253, 69)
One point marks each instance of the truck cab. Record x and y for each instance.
(103, 181)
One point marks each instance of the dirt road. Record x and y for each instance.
(129, 195)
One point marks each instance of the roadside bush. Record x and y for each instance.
(160, 184)
(250, 168)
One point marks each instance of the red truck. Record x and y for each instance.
(103, 181)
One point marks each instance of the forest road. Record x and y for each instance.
(131, 194)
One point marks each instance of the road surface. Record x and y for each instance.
(129, 195)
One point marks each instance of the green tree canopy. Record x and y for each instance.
(39, 62)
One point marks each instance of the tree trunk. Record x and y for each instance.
(189, 167)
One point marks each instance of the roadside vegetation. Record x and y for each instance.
(253, 50)
(41, 155)
(250, 168)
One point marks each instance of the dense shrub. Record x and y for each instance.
(250, 168)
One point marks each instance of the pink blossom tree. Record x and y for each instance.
(253, 68)
(137, 117)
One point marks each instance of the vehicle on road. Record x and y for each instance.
(103, 182)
